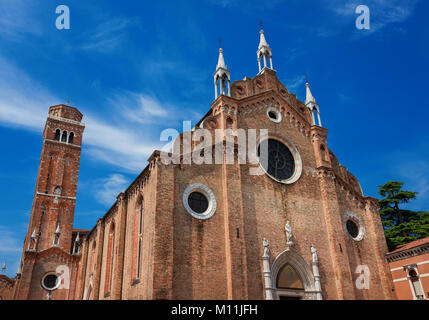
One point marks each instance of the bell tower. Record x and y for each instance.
(50, 228)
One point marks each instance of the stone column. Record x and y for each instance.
(318, 117)
(267, 271)
(315, 264)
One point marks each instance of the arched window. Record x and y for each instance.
(138, 243)
(64, 137)
(57, 134)
(71, 137)
(92, 264)
(109, 264)
(417, 286)
(229, 123)
(323, 153)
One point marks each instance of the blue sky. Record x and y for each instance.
(134, 68)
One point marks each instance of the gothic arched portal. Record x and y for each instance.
(292, 277)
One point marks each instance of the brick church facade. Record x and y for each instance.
(301, 230)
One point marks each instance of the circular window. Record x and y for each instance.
(50, 282)
(274, 114)
(281, 161)
(199, 201)
(352, 228)
(413, 273)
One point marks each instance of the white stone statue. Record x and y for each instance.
(314, 254)
(288, 229)
(266, 247)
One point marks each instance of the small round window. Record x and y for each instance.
(274, 114)
(198, 202)
(50, 282)
(352, 228)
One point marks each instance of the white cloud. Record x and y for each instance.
(17, 17)
(415, 176)
(107, 189)
(10, 249)
(109, 34)
(295, 84)
(141, 108)
(126, 144)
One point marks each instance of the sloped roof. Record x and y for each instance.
(411, 245)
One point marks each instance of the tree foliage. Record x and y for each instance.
(401, 226)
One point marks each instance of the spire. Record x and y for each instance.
(262, 41)
(312, 105)
(309, 97)
(58, 229)
(222, 75)
(264, 51)
(33, 235)
(77, 238)
(221, 61)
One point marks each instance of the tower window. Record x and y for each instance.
(71, 137)
(323, 153)
(57, 134)
(64, 137)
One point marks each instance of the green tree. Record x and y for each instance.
(401, 226)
